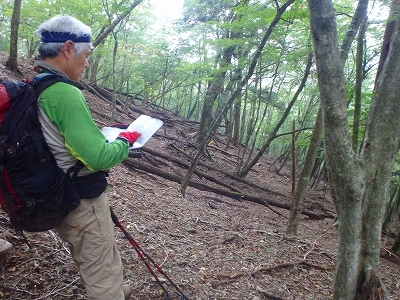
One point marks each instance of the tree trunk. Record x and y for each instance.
(333, 96)
(235, 94)
(394, 10)
(245, 170)
(236, 123)
(300, 193)
(103, 35)
(392, 211)
(12, 63)
(91, 71)
(396, 244)
(214, 90)
(358, 87)
(114, 77)
(31, 45)
(360, 181)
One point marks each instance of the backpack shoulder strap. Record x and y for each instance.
(40, 83)
(23, 95)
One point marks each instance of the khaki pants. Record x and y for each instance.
(89, 232)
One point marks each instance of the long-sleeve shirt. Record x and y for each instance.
(70, 131)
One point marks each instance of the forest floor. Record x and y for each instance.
(212, 246)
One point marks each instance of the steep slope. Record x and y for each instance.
(221, 241)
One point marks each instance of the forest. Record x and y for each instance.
(312, 84)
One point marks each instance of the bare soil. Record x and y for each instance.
(211, 246)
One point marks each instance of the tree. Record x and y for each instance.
(118, 19)
(358, 87)
(235, 94)
(396, 244)
(215, 86)
(105, 31)
(298, 199)
(12, 59)
(301, 188)
(244, 171)
(361, 180)
(394, 11)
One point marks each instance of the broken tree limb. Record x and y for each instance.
(205, 187)
(184, 165)
(278, 266)
(225, 173)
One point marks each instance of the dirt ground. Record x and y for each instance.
(211, 246)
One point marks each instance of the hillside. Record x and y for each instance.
(217, 242)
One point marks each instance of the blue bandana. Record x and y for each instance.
(61, 37)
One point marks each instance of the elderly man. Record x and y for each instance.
(74, 137)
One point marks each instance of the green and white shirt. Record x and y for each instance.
(70, 131)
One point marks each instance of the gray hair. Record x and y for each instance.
(55, 31)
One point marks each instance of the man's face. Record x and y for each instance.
(77, 64)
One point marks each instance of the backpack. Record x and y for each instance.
(36, 194)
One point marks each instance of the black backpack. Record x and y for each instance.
(34, 191)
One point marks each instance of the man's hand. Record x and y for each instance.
(129, 136)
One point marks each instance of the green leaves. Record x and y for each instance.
(214, 37)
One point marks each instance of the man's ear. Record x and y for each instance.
(68, 49)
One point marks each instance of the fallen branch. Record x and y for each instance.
(184, 165)
(267, 269)
(204, 187)
(390, 255)
(225, 173)
(268, 295)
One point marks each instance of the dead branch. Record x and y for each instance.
(268, 295)
(184, 165)
(278, 266)
(390, 255)
(226, 173)
(132, 163)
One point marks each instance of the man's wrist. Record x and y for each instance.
(125, 140)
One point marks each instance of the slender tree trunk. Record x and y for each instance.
(234, 117)
(394, 10)
(236, 123)
(192, 110)
(91, 71)
(215, 89)
(396, 244)
(12, 62)
(122, 81)
(254, 128)
(294, 161)
(245, 170)
(31, 45)
(103, 35)
(301, 189)
(114, 76)
(359, 80)
(392, 211)
(235, 94)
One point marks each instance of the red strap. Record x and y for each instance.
(4, 102)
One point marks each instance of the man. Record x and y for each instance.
(73, 136)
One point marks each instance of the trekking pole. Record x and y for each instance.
(142, 254)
